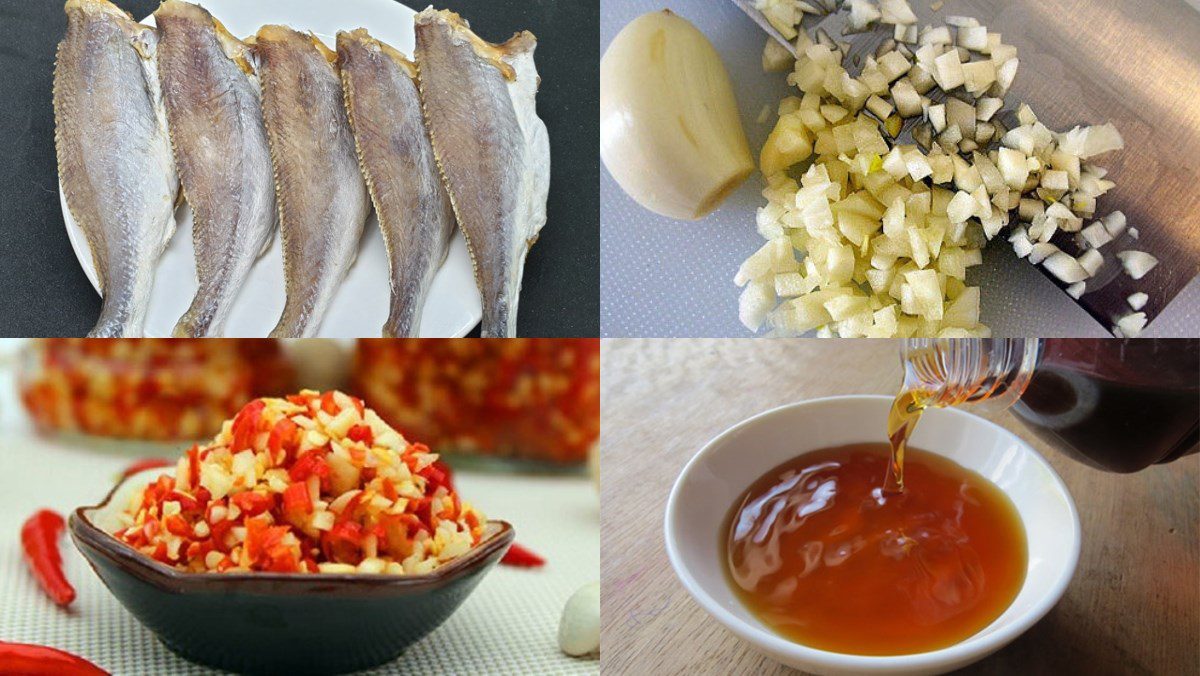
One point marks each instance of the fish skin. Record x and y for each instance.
(493, 151)
(401, 171)
(114, 155)
(214, 114)
(319, 189)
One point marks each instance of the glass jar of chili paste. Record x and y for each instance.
(147, 389)
(528, 398)
(1119, 405)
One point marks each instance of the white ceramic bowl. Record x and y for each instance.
(727, 465)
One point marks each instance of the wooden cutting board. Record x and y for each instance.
(1135, 63)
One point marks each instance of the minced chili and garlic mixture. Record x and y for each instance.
(312, 483)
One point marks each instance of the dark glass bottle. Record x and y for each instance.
(1119, 405)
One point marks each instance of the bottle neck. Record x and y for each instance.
(950, 372)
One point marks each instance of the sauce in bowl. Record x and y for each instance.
(820, 554)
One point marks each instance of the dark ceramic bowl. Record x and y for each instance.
(278, 623)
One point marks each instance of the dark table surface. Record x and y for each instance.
(43, 291)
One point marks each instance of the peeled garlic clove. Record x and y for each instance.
(579, 630)
(670, 133)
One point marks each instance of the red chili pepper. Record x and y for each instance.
(253, 503)
(245, 425)
(521, 557)
(361, 433)
(284, 437)
(193, 455)
(296, 500)
(447, 474)
(39, 538)
(328, 404)
(309, 464)
(38, 660)
(343, 542)
(434, 476)
(143, 465)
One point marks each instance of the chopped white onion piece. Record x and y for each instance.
(907, 100)
(1041, 251)
(776, 58)
(862, 14)
(1091, 260)
(917, 164)
(1138, 300)
(937, 117)
(1137, 263)
(973, 37)
(879, 108)
(978, 76)
(1055, 180)
(987, 106)
(1005, 74)
(960, 114)
(897, 12)
(1076, 290)
(1021, 244)
(1096, 235)
(949, 70)
(1058, 210)
(961, 21)
(1114, 223)
(936, 36)
(1131, 325)
(893, 65)
(961, 207)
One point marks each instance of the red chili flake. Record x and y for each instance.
(521, 557)
(160, 553)
(352, 504)
(193, 455)
(176, 525)
(203, 496)
(299, 399)
(434, 476)
(361, 434)
(263, 545)
(309, 464)
(424, 512)
(343, 542)
(245, 425)
(186, 502)
(328, 404)
(296, 500)
(143, 465)
(254, 503)
(39, 539)
(285, 439)
(447, 473)
(389, 491)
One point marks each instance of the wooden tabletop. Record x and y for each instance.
(1132, 608)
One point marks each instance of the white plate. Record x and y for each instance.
(360, 306)
(721, 471)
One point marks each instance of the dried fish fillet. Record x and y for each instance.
(492, 148)
(319, 189)
(214, 111)
(114, 155)
(397, 160)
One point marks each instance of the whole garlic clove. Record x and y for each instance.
(670, 133)
(579, 630)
